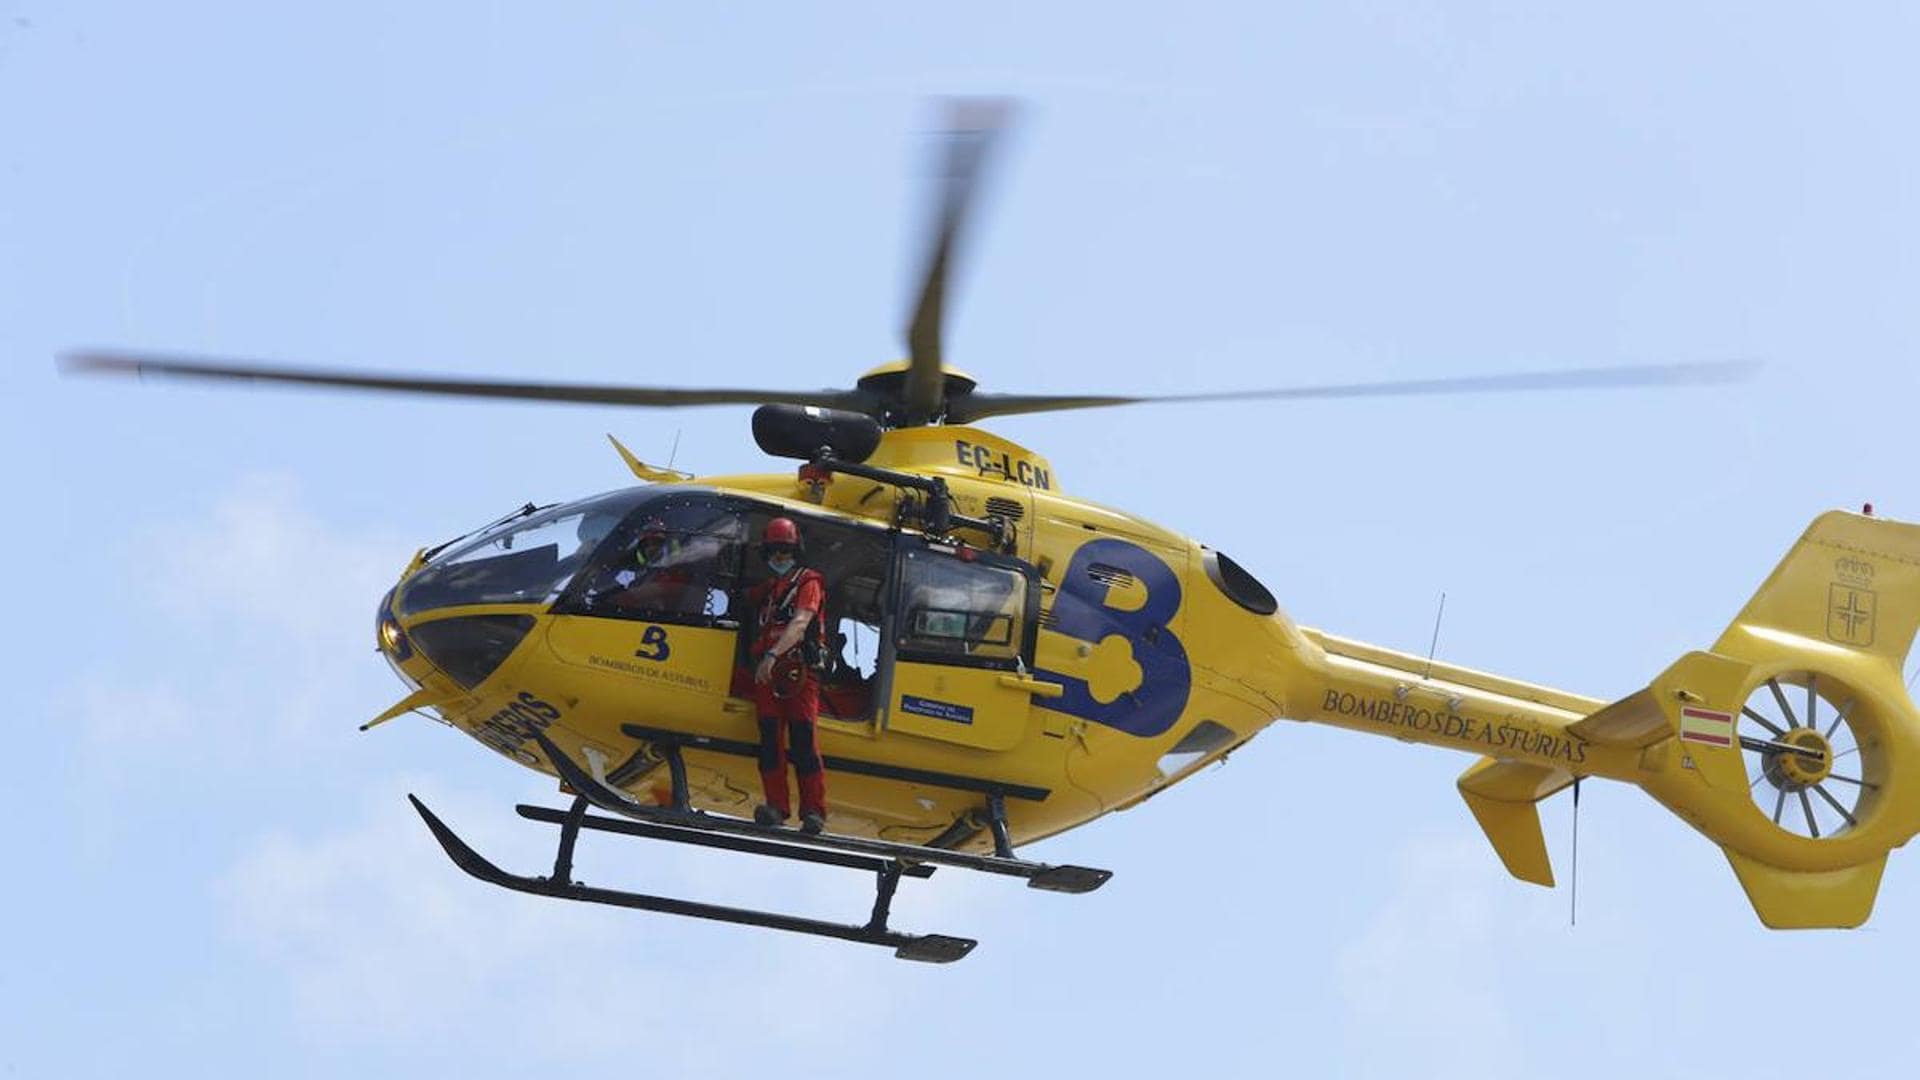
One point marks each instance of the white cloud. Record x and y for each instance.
(261, 603)
(263, 560)
(382, 940)
(118, 719)
(1421, 982)
(374, 929)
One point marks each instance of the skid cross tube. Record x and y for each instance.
(677, 770)
(883, 896)
(1052, 878)
(679, 835)
(931, 948)
(569, 833)
(997, 821)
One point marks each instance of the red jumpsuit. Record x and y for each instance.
(787, 724)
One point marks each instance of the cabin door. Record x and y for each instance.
(961, 631)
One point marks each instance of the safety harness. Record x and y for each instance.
(814, 645)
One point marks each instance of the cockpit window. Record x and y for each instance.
(524, 561)
(673, 561)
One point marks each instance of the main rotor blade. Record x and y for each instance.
(973, 126)
(144, 365)
(979, 406)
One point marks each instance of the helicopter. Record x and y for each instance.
(1008, 661)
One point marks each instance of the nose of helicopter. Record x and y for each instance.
(464, 607)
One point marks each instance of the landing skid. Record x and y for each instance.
(932, 948)
(886, 860)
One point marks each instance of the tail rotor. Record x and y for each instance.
(1811, 768)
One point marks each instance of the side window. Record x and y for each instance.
(856, 573)
(678, 562)
(955, 610)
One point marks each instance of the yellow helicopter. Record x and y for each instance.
(1006, 661)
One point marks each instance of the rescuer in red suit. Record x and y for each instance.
(786, 690)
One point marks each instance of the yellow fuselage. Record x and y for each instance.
(1142, 669)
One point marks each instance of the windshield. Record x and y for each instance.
(528, 560)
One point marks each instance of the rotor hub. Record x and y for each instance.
(887, 387)
(1805, 760)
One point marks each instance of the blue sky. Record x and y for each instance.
(214, 874)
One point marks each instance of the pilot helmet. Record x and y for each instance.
(781, 532)
(655, 542)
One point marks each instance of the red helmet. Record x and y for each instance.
(781, 531)
(655, 529)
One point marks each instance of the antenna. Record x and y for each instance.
(1435, 643)
(675, 452)
(1573, 887)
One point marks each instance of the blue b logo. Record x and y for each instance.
(653, 644)
(1081, 612)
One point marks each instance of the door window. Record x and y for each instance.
(962, 611)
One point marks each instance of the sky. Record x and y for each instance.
(214, 874)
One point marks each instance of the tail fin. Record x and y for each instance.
(1851, 583)
(1793, 743)
(1504, 797)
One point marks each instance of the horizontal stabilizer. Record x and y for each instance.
(652, 474)
(1809, 900)
(1634, 721)
(1504, 797)
(420, 699)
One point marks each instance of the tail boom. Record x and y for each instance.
(1829, 628)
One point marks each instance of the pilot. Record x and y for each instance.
(789, 627)
(663, 583)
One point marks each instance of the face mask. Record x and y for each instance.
(780, 564)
